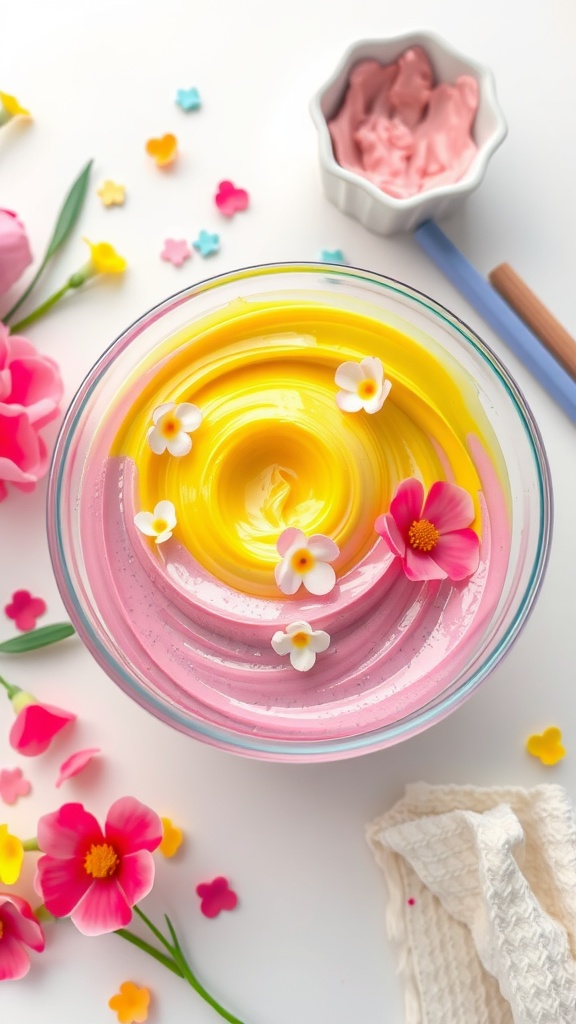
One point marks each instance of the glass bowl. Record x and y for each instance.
(185, 626)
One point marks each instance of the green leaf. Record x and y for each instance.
(70, 212)
(37, 638)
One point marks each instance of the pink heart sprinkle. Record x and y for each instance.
(230, 200)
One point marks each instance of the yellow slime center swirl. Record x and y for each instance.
(275, 451)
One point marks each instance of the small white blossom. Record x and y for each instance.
(159, 523)
(305, 560)
(302, 643)
(364, 385)
(173, 425)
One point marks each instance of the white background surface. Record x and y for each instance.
(307, 943)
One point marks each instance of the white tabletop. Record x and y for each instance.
(307, 942)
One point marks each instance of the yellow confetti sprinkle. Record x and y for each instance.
(111, 194)
(172, 838)
(547, 746)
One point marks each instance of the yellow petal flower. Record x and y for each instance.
(131, 1003)
(12, 106)
(171, 839)
(105, 259)
(11, 856)
(547, 746)
(111, 194)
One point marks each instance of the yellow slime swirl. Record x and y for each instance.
(274, 450)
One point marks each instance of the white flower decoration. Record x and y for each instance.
(159, 523)
(305, 560)
(364, 385)
(172, 426)
(302, 643)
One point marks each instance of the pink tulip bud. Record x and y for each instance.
(15, 253)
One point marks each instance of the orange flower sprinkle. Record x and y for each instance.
(171, 839)
(131, 1003)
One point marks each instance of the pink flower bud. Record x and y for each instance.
(36, 725)
(15, 253)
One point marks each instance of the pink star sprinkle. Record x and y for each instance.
(216, 896)
(25, 609)
(229, 199)
(75, 764)
(12, 785)
(175, 251)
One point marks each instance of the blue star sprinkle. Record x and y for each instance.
(332, 256)
(207, 244)
(188, 99)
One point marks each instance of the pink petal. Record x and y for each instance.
(418, 565)
(323, 547)
(103, 909)
(68, 832)
(289, 538)
(406, 505)
(448, 506)
(62, 883)
(457, 553)
(286, 579)
(14, 960)
(136, 875)
(386, 526)
(75, 764)
(320, 580)
(132, 826)
(349, 401)
(35, 727)
(19, 919)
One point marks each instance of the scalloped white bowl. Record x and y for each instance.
(359, 198)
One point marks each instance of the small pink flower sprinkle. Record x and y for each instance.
(75, 764)
(25, 609)
(216, 896)
(12, 785)
(411, 901)
(175, 251)
(229, 199)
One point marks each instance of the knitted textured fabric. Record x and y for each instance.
(482, 901)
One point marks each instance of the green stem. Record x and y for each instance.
(11, 690)
(26, 293)
(136, 941)
(185, 969)
(41, 310)
(31, 845)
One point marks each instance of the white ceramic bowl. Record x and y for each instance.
(358, 197)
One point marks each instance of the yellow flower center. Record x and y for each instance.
(101, 861)
(159, 525)
(423, 535)
(300, 639)
(367, 388)
(169, 426)
(302, 560)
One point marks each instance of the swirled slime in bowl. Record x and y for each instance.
(274, 450)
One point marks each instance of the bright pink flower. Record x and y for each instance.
(431, 536)
(36, 725)
(216, 896)
(15, 253)
(96, 876)
(25, 609)
(30, 392)
(18, 928)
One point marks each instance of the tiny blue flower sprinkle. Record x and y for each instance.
(207, 244)
(332, 256)
(188, 99)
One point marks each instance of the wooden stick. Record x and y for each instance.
(537, 317)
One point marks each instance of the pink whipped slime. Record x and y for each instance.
(401, 131)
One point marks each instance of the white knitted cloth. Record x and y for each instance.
(482, 900)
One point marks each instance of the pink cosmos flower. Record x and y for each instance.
(36, 724)
(18, 928)
(15, 253)
(431, 537)
(30, 393)
(96, 876)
